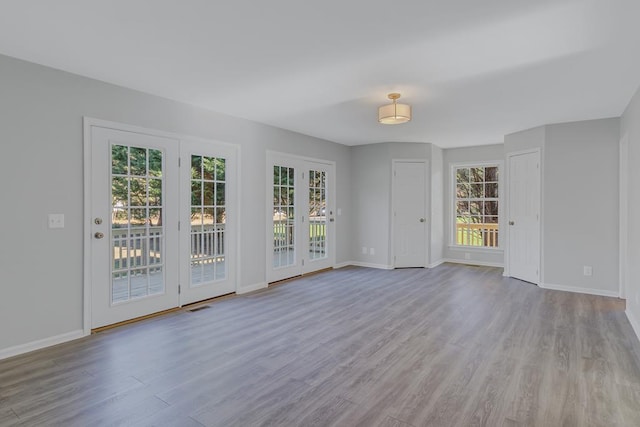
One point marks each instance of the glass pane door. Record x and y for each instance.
(133, 225)
(284, 217)
(208, 218)
(207, 209)
(317, 214)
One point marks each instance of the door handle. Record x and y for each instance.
(512, 223)
(422, 220)
(98, 235)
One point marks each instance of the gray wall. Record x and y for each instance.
(438, 235)
(487, 153)
(580, 226)
(371, 197)
(41, 172)
(579, 189)
(630, 126)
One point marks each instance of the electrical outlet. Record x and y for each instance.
(587, 270)
(364, 250)
(56, 220)
(372, 251)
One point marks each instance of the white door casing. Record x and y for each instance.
(409, 207)
(523, 221)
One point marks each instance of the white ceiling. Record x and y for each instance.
(472, 70)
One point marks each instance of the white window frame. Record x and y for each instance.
(452, 206)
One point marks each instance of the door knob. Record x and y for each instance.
(422, 220)
(512, 223)
(98, 235)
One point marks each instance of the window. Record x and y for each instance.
(476, 205)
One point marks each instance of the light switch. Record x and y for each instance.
(56, 220)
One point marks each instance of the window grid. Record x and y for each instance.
(208, 219)
(283, 216)
(476, 206)
(137, 233)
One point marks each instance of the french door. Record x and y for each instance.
(162, 223)
(134, 250)
(207, 221)
(300, 216)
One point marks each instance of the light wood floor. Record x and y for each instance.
(450, 346)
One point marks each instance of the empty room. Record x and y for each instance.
(345, 213)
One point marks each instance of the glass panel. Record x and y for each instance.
(221, 168)
(317, 219)
(477, 191)
(208, 168)
(462, 191)
(462, 208)
(155, 162)
(491, 190)
(462, 175)
(138, 191)
(120, 191)
(155, 192)
(208, 219)
(283, 216)
(475, 208)
(138, 161)
(220, 196)
(196, 167)
(208, 193)
(476, 174)
(137, 233)
(491, 174)
(491, 208)
(196, 193)
(119, 159)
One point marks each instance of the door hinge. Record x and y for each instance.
(303, 262)
(178, 225)
(302, 218)
(179, 161)
(303, 176)
(179, 289)
(536, 273)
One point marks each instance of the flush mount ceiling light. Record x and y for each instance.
(393, 114)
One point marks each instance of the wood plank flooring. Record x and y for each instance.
(450, 346)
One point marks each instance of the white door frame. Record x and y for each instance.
(427, 204)
(624, 215)
(507, 243)
(88, 123)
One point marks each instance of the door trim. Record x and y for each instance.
(88, 123)
(507, 213)
(624, 216)
(427, 210)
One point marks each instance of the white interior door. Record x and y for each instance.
(409, 213)
(524, 216)
(300, 216)
(208, 220)
(134, 225)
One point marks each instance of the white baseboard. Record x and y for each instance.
(635, 324)
(579, 290)
(39, 344)
(474, 262)
(371, 265)
(250, 288)
(437, 263)
(343, 265)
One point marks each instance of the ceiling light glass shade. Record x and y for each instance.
(392, 114)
